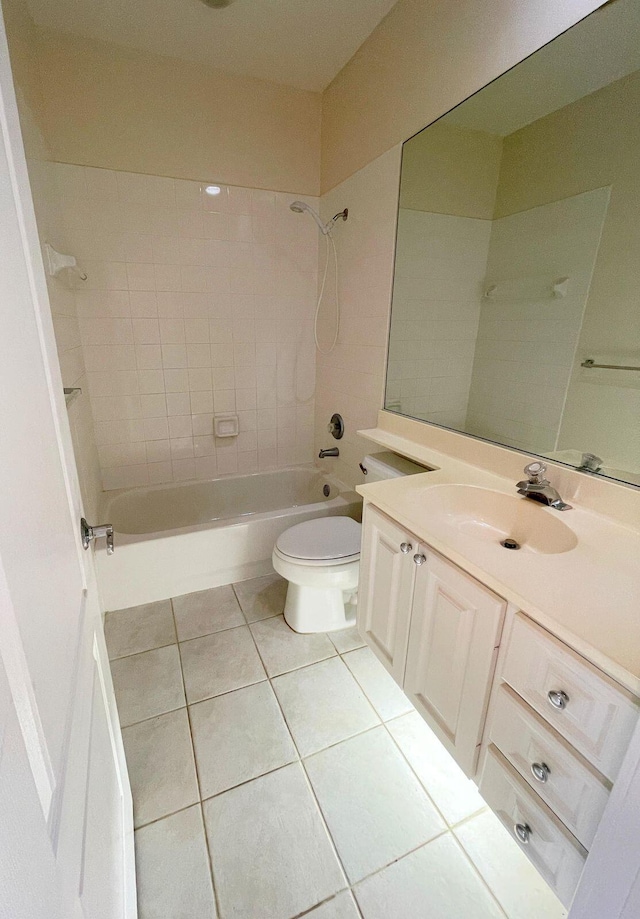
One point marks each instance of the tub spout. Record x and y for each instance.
(331, 451)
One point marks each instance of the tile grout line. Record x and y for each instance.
(216, 903)
(307, 780)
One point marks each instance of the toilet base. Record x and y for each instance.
(319, 609)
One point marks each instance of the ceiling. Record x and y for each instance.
(602, 48)
(300, 43)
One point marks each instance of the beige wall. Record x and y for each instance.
(350, 380)
(424, 58)
(113, 108)
(451, 170)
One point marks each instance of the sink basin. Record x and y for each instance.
(492, 516)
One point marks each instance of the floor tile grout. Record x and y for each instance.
(195, 765)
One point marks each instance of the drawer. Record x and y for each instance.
(592, 712)
(572, 788)
(550, 847)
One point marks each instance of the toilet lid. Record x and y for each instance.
(321, 539)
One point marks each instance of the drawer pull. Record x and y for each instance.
(405, 548)
(522, 832)
(540, 771)
(419, 559)
(558, 698)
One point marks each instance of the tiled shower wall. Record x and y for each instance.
(194, 305)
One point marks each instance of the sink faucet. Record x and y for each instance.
(540, 489)
(330, 451)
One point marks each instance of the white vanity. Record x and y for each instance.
(526, 664)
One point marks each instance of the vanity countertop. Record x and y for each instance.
(589, 597)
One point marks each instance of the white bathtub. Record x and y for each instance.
(173, 539)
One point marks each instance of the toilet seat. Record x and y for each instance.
(321, 542)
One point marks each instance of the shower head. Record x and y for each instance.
(299, 207)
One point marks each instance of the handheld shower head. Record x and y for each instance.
(299, 207)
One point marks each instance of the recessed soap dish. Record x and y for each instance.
(225, 425)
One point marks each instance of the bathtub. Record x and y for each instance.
(174, 539)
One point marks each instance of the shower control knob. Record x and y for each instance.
(419, 559)
(336, 426)
(522, 832)
(405, 548)
(558, 698)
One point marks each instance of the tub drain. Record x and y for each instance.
(509, 543)
(326, 491)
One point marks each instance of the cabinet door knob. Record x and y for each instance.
(522, 832)
(540, 771)
(405, 548)
(420, 559)
(558, 698)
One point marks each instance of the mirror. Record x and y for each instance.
(516, 298)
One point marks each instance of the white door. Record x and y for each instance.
(387, 573)
(455, 630)
(65, 805)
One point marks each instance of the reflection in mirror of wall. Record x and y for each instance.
(518, 256)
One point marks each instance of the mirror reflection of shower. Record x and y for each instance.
(301, 207)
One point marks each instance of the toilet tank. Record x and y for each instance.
(386, 465)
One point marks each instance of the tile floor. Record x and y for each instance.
(278, 775)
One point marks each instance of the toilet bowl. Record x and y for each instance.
(320, 559)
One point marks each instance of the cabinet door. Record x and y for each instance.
(387, 574)
(455, 630)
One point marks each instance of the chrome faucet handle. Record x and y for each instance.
(535, 472)
(590, 463)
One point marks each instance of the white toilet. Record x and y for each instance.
(320, 559)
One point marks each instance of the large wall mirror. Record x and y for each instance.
(516, 300)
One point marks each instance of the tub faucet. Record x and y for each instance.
(540, 489)
(331, 451)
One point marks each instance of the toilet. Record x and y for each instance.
(320, 559)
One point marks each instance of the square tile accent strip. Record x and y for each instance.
(282, 649)
(270, 851)
(238, 737)
(219, 663)
(161, 747)
(173, 869)
(262, 598)
(375, 808)
(439, 875)
(148, 684)
(323, 705)
(206, 611)
(140, 628)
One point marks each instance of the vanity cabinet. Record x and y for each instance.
(435, 628)
(540, 728)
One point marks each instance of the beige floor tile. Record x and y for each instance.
(323, 705)
(261, 598)
(139, 628)
(436, 881)
(453, 793)
(340, 907)
(378, 685)
(206, 611)
(282, 649)
(346, 640)
(271, 854)
(238, 737)
(148, 684)
(219, 663)
(515, 883)
(375, 807)
(161, 766)
(174, 880)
